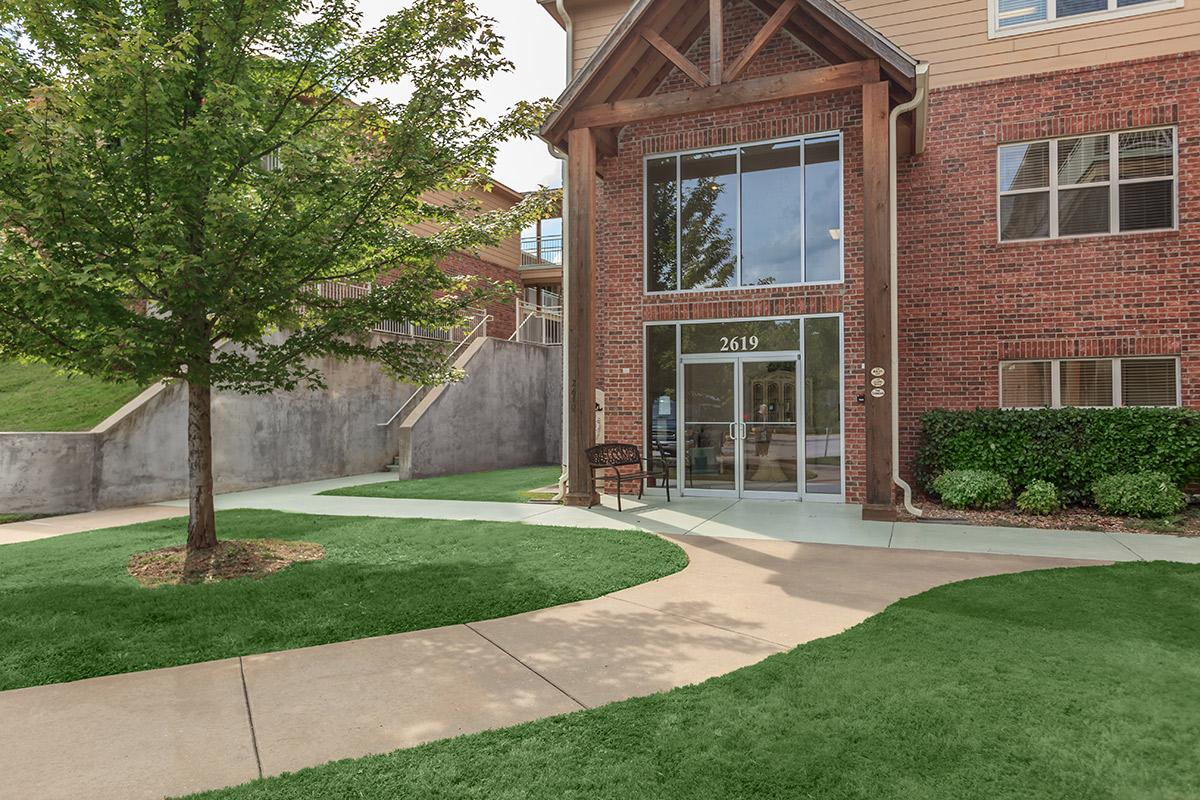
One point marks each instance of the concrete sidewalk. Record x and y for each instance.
(184, 729)
(772, 520)
(48, 527)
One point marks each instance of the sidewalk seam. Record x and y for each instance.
(1135, 553)
(700, 622)
(561, 690)
(250, 716)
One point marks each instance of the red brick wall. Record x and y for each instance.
(968, 301)
(622, 305)
(504, 315)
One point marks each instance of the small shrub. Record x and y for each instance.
(1151, 495)
(1039, 497)
(972, 488)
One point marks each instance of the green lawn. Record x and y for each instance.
(33, 397)
(501, 485)
(1059, 685)
(6, 518)
(69, 610)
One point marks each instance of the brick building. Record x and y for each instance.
(730, 226)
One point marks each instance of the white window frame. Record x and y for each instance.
(1114, 184)
(1053, 21)
(1056, 380)
(737, 148)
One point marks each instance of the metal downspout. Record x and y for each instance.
(566, 293)
(917, 100)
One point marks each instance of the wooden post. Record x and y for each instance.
(879, 383)
(581, 286)
(716, 42)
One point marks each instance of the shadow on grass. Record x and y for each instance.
(920, 702)
(68, 610)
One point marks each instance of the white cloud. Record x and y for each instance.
(537, 45)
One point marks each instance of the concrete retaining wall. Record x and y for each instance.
(140, 454)
(507, 412)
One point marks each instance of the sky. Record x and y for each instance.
(537, 45)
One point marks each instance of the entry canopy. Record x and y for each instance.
(617, 85)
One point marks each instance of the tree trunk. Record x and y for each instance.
(202, 524)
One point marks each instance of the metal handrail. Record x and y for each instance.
(547, 315)
(449, 360)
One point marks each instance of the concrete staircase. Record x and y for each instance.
(506, 412)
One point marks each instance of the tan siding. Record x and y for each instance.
(953, 38)
(952, 35)
(591, 21)
(507, 254)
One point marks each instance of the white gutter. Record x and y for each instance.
(566, 293)
(919, 99)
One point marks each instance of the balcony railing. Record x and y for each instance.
(347, 291)
(541, 251)
(538, 324)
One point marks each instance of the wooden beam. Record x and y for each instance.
(675, 57)
(580, 298)
(606, 143)
(880, 384)
(760, 39)
(685, 29)
(711, 98)
(716, 41)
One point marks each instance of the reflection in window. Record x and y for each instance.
(1014, 13)
(750, 216)
(822, 406)
(771, 208)
(661, 223)
(660, 395)
(822, 210)
(1082, 198)
(1147, 171)
(708, 220)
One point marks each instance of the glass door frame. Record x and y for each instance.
(737, 360)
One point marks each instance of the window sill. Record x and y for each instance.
(996, 32)
(735, 289)
(1084, 237)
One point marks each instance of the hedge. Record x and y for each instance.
(1069, 447)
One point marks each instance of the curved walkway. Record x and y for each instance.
(184, 729)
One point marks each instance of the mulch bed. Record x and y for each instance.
(171, 566)
(1076, 519)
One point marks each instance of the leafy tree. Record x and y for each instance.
(178, 176)
(707, 239)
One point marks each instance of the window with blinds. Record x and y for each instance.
(1149, 382)
(1017, 16)
(1089, 383)
(1088, 185)
(1025, 384)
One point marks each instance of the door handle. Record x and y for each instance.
(743, 427)
(732, 433)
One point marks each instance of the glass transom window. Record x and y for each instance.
(754, 215)
(1088, 185)
(1017, 16)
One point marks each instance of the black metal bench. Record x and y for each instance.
(614, 456)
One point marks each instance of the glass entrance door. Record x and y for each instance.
(710, 426)
(740, 434)
(769, 433)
